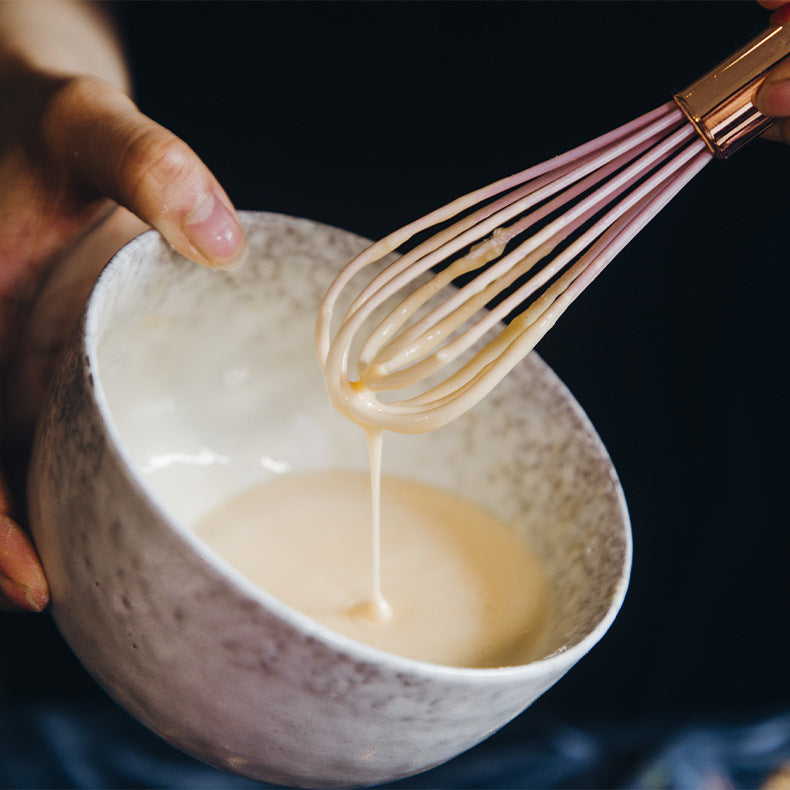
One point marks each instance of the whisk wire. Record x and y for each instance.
(581, 208)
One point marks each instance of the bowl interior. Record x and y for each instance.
(210, 385)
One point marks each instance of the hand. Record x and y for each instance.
(773, 97)
(82, 171)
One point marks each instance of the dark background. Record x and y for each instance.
(366, 115)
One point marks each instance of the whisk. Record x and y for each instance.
(524, 247)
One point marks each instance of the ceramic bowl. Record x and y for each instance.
(183, 386)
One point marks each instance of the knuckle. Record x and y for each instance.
(154, 164)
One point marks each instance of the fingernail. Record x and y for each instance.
(215, 231)
(23, 596)
(238, 261)
(773, 99)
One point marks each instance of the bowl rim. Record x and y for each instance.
(556, 662)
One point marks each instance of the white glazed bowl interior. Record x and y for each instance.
(185, 386)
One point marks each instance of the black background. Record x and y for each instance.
(366, 115)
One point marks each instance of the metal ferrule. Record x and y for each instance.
(721, 104)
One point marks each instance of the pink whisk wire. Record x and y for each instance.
(518, 252)
(642, 164)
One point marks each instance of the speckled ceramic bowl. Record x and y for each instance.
(184, 386)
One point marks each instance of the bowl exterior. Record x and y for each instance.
(204, 661)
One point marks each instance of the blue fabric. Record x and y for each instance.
(96, 745)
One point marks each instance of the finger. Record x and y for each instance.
(96, 132)
(6, 500)
(773, 98)
(22, 580)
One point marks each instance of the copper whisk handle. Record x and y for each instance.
(721, 104)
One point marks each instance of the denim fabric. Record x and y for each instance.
(96, 745)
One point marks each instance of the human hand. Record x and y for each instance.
(773, 98)
(82, 171)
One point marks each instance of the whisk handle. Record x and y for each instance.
(721, 103)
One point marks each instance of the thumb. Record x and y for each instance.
(773, 99)
(97, 133)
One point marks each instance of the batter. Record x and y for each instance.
(461, 588)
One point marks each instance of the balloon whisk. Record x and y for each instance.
(481, 280)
